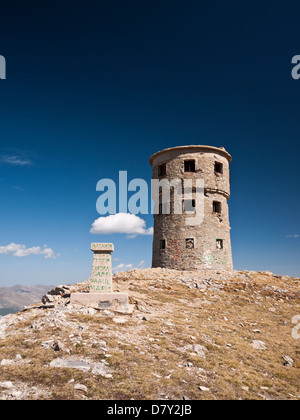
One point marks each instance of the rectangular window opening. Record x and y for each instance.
(189, 205)
(162, 169)
(218, 167)
(217, 207)
(189, 166)
(190, 243)
(220, 244)
(163, 244)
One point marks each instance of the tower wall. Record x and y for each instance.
(177, 245)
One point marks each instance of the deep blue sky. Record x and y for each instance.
(95, 87)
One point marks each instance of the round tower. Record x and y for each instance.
(191, 220)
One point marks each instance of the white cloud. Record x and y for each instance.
(122, 267)
(129, 224)
(127, 267)
(15, 160)
(293, 236)
(18, 250)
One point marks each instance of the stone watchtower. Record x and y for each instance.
(179, 243)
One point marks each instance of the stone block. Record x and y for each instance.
(117, 302)
(101, 279)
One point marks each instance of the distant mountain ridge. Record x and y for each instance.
(16, 297)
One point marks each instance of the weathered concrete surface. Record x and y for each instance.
(101, 294)
(101, 279)
(211, 238)
(114, 301)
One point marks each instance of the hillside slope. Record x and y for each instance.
(16, 297)
(192, 335)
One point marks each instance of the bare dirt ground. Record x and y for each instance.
(193, 335)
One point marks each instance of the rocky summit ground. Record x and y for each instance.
(190, 335)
